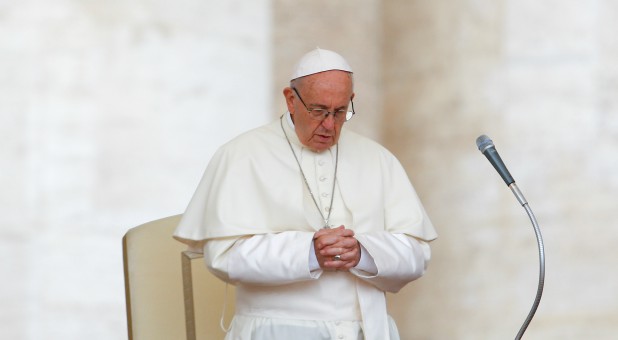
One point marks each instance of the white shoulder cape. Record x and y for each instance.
(252, 185)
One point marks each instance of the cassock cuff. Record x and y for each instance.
(366, 263)
(314, 266)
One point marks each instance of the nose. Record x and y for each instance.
(329, 122)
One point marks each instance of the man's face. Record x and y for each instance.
(330, 90)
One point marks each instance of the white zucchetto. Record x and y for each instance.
(320, 60)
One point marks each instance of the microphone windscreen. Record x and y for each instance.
(483, 142)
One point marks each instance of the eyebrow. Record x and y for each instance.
(322, 106)
(317, 106)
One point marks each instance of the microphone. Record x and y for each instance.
(486, 146)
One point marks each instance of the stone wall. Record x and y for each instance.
(538, 78)
(110, 112)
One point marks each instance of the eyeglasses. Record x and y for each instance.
(320, 114)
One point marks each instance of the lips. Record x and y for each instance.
(324, 137)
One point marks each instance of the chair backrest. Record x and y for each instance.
(169, 292)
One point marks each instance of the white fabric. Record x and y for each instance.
(262, 329)
(254, 209)
(252, 186)
(319, 60)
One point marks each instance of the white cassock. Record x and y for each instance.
(254, 218)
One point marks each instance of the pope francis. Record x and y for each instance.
(311, 222)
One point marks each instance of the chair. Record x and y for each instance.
(160, 276)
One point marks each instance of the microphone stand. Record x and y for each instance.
(539, 239)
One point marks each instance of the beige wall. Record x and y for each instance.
(299, 26)
(109, 113)
(539, 77)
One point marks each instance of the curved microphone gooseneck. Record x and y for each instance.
(486, 146)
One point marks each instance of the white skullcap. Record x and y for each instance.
(320, 60)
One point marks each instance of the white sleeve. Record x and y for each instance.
(399, 259)
(266, 259)
(366, 263)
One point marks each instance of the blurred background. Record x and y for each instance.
(110, 111)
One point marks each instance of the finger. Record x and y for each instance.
(338, 265)
(338, 248)
(347, 266)
(321, 233)
(337, 232)
(340, 230)
(347, 242)
(343, 246)
(333, 240)
(326, 241)
(352, 255)
(332, 251)
(345, 232)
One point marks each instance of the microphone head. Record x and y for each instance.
(483, 143)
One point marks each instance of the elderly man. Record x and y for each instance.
(311, 222)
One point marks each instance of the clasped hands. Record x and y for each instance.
(340, 241)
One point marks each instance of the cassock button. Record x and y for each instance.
(321, 162)
(322, 179)
(324, 194)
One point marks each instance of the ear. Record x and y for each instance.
(289, 95)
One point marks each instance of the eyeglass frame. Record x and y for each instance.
(324, 115)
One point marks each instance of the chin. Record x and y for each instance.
(316, 146)
(320, 148)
